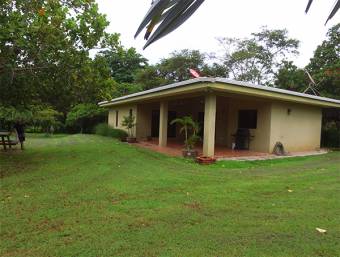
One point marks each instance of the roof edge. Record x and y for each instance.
(223, 81)
(277, 90)
(161, 88)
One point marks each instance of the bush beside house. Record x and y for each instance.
(104, 129)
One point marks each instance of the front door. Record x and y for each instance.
(155, 123)
(171, 128)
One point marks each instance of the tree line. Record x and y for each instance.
(48, 76)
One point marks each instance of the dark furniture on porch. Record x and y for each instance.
(242, 139)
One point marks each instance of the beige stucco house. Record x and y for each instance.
(222, 107)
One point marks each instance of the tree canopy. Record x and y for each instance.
(56, 60)
(325, 64)
(324, 67)
(44, 53)
(176, 67)
(256, 59)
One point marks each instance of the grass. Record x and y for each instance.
(85, 195)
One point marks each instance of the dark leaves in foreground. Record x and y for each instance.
(170, 14)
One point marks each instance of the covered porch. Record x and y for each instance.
(219, 116)
(270, 116)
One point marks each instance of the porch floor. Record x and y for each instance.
(174, 148)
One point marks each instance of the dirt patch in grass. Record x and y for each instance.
(194, 205)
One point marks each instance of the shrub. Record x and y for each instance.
(36, 118)
(83, 117)
(46, 119)
(9, 115)
(103, 129)
(129, 123)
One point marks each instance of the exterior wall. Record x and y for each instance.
(123, 110)
(143, 123)
(260, 141)
(299, 130)
(227, 119)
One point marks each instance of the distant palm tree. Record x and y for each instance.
(170, 14)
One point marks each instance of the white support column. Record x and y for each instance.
(209, 125)
(163, 124)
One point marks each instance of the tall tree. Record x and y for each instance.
(44, 52)
(256, 59)
(325, 64)
(124, 63)
(324, 67)
(149, 77)
(291, 77)
(176, 68)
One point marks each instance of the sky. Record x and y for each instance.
(224, 18)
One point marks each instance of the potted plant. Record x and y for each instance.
(190, 129)
(129, 123)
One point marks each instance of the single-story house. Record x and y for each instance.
(223, 107)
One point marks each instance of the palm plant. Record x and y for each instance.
(190, 129)
(170, 14)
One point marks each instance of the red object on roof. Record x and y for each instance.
(194, 73)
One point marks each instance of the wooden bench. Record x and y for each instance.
(6, 140)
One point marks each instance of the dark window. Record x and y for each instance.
(130, 113)
(247, 119)
(155, 123)
(116, 118)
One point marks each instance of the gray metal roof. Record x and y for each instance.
(220, 80)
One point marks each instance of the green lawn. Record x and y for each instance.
(84, 195)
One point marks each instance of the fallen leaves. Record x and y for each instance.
(41, 12)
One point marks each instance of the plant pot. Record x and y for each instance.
(189, 153)
(131, 140)
(205, 160)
